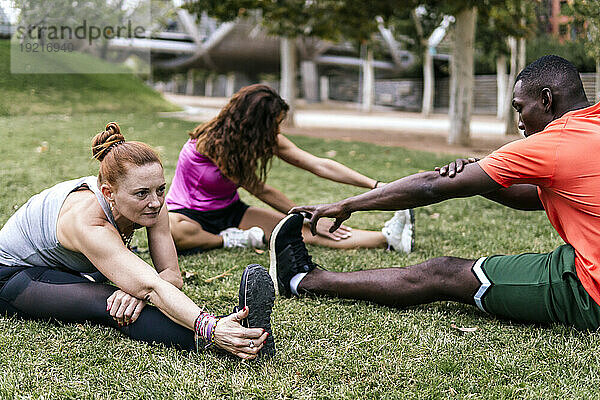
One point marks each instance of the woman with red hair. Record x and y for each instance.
(59, 246)
(235, 149)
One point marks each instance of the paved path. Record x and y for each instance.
(387, 127)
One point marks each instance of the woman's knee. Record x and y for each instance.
(177, 228)
(188, 234)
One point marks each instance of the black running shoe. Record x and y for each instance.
(257, 293)
(288, 253)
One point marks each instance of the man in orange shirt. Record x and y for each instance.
(555, 168)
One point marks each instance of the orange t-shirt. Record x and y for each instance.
(563, 161)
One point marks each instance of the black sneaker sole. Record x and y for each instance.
(257, 293)
(273, 254)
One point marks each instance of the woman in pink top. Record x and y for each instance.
(235, 149)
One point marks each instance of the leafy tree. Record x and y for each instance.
(415, 28)
(334, 20)
(576, 51)
(497, 21)
(588, 11)
(338, 20)
(498, 30)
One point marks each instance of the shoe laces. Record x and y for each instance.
(390, 223)
(300, 254)
(395, 226)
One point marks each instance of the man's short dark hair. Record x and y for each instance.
(553, 72)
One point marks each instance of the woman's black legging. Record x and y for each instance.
(43, 293)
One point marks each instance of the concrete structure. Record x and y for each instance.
(342, 117)
(398, 94)
(245, 48)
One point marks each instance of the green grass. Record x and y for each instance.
(69, 94)
(327, 348)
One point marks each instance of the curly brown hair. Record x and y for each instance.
(242, 139)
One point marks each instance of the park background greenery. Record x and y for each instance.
(327, 348)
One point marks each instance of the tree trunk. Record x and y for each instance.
(461, 85)
(208, 85)
(597, 86)
(310, 81)
(428, 83)
(230, 84)
(522, 60)
(173, 84)
(288, 76)
(501, 86)
(324, 88)
(368, 82)
(189, 86)
(510, 116)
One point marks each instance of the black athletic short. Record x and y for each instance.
(216, 221)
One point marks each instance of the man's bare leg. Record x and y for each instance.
(442, 278)
(294, 272)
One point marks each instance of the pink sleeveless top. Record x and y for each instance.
(198, 183)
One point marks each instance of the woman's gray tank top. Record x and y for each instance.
(29, 237)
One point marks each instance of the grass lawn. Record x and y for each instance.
(327, 348)
(30, 94)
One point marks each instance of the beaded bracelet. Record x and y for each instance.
(204, 330)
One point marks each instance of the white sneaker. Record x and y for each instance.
(253, 237)
(400, 231)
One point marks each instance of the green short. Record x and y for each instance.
(539, 288)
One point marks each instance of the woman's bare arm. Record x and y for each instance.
(281, 203)
(323, 167)
(273, 197)
(162, 250)
(82, 227)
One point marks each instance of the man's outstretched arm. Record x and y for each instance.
(522, 196)
(409, 192)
